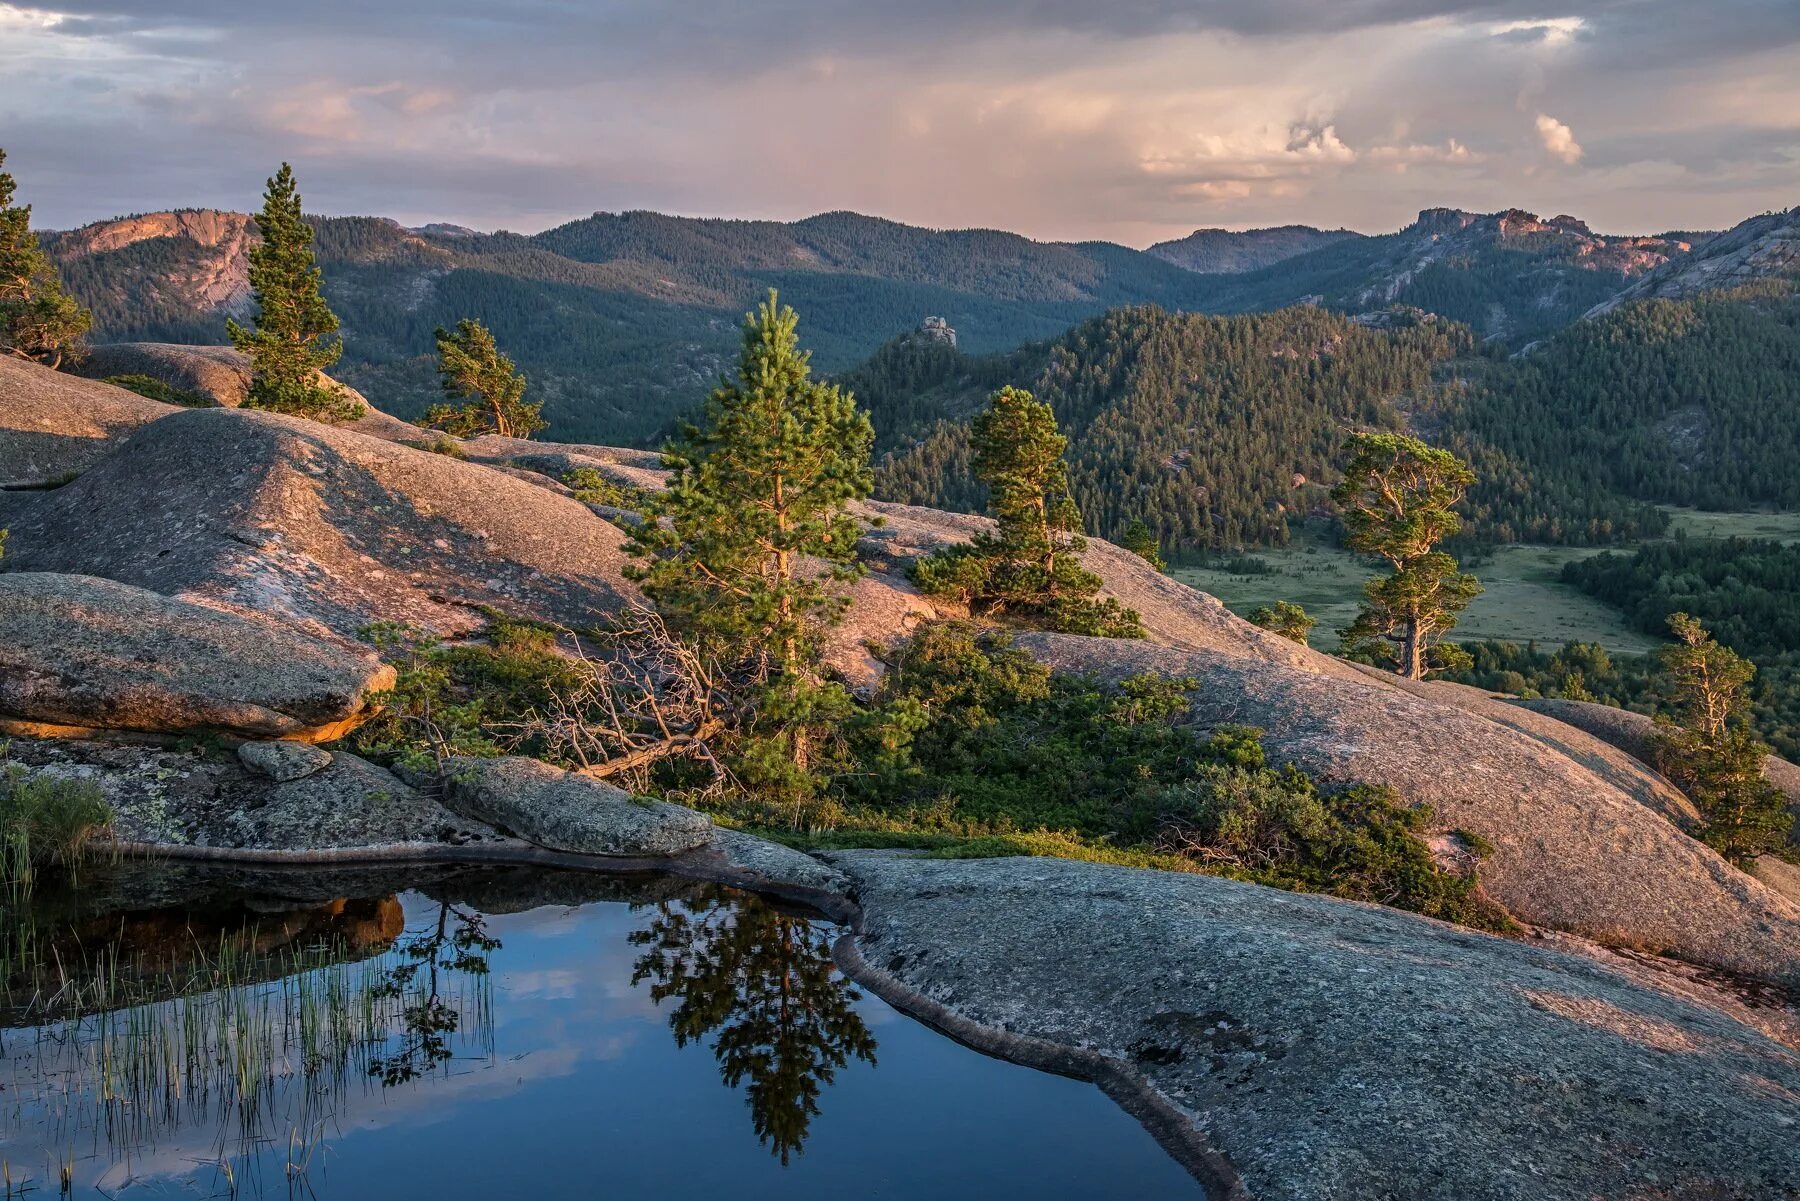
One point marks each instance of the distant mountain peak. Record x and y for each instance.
(1763, 247)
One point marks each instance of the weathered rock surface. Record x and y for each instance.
(1571, 850)
(1173, 613)
(1330, 1049)
(221, 374)
(176, 798)
(283, 761)
(1763, 246)
(86, 652)
(566, 811)
(324, 526)
(1624, 770)
(54, 425)
(1630, 732)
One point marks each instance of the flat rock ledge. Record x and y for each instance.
(1325, 1049)
(566, 811)
(80, 652)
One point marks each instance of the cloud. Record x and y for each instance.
(1558, 139)
(1134, 120)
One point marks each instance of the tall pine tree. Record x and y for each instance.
(748, 547)
(293, 341)
(39, 320)
(1029, 565)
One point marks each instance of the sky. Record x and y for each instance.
(1127, 120)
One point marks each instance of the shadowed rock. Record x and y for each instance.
(324, 526)
(1571, 850)
(1330, 1049)
(53, 425)
(566, 811)
(85, 652)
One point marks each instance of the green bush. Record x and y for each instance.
(156, 389)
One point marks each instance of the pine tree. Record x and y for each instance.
(39, 320)
(474, 371)
(755, 491)
(1029, 565)
(1138, 539)
(1398, 499)
(293, 340)
(1709, 750)
(1285, 618)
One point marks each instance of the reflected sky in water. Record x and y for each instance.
(534, 1035)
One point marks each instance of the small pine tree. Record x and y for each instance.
(293, 341)
(474, 371)
(1285, 618)
(1138, 539)
(1709, 750)
(757, 490)
(1398, 499)
(39, 320)
(1029, 565)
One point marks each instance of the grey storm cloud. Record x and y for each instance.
(1132, 120)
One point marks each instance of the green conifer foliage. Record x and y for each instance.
(39, 320)
(732, 553)
(1710, 751)
(1138, 539)
(1029, 566)
(293, 340)
(1398, 499)
(1285, 618)
(492, 390)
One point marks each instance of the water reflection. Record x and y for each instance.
(451, 1032)
(457, 944)
(762, 984)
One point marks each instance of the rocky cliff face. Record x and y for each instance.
(1761, 248)
(210, 271)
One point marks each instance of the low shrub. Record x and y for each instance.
(156, 389)
(45, 821)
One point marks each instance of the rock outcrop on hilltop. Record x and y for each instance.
(324, 527)
(54, 426)
(221, 374)
(1293, 1046)
(1572, 851)
(1760, 248)
(76, 651)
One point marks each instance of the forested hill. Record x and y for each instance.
(621, 319)
(1213, 430)
(1686, 402)
(1202, 426)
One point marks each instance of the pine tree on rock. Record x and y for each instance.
(39, 320)
(1285, 618)
(1029, 566)
(1709, 750)
(1398, 499)
(748, 548)
(292, 342)
(1140, 541)
(474, 371)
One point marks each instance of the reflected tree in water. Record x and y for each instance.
(763, 983)
(459, 945)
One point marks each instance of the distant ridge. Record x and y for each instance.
(1229, 252)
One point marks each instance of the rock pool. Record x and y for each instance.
(172, 1031)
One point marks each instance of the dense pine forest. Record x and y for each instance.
(1214, 430)
(1211, 430)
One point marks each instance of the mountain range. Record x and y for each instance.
(622, 320)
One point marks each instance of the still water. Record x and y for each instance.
(497, 1034)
